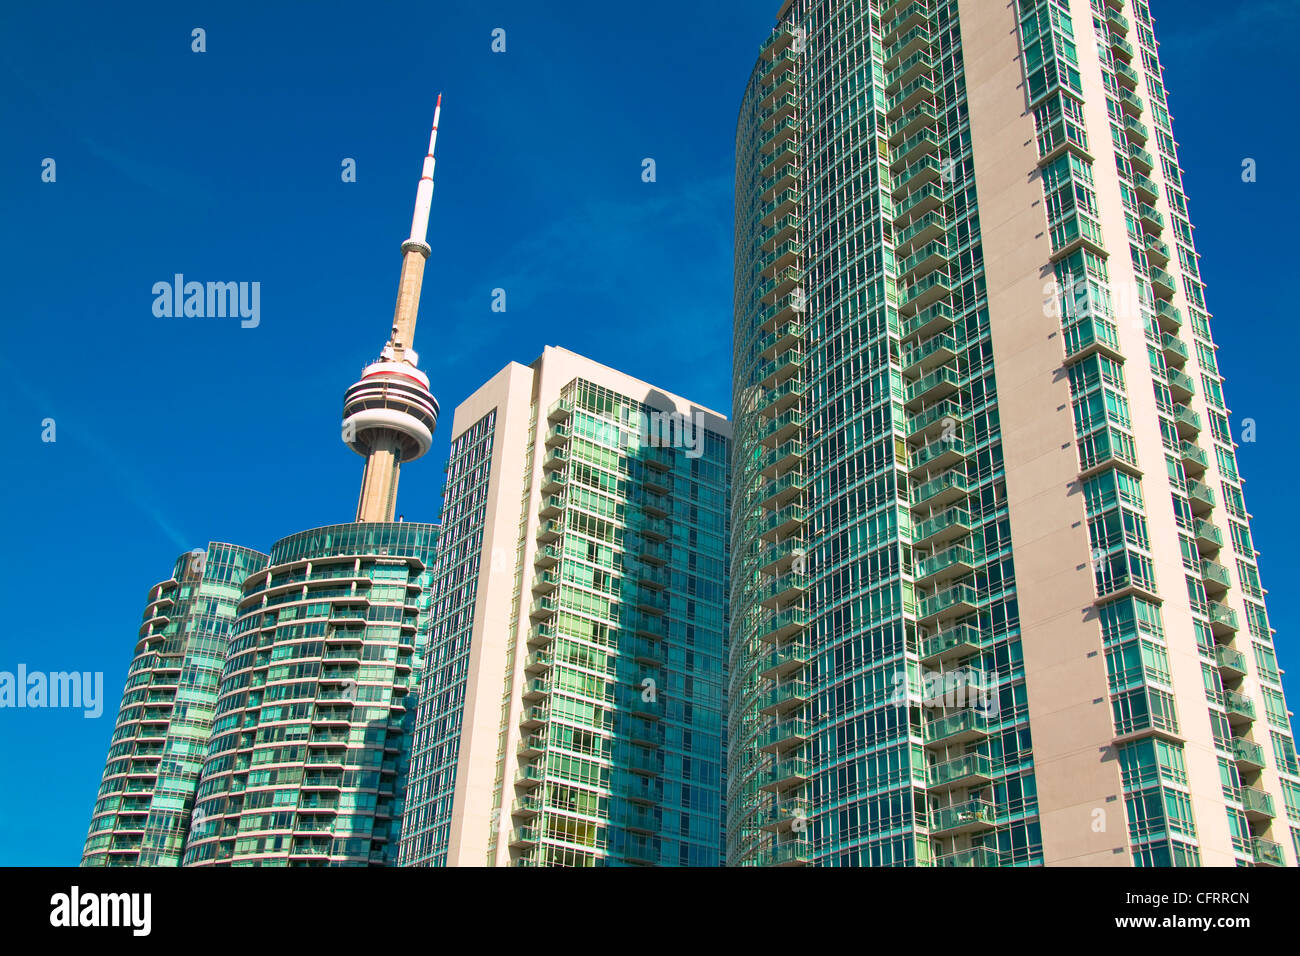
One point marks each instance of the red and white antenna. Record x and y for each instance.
(424, 193)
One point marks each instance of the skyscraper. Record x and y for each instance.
(304, 741)
(161, 737)
(572, 704)
(996, 600)
(308, 759)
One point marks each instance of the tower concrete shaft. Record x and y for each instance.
(390, 414)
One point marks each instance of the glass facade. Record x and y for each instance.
(879, 712)
(309, 753)
(142, 813)
(614, 666)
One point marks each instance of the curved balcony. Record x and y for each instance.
(942, 490)
(785, 774)
(938, 529)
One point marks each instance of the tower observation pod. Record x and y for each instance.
(390, 414)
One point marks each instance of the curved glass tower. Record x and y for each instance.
(994, 596)
(143, 810)
(307, 763)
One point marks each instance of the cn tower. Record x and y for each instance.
(390, 414)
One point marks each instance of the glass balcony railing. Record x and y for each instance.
(967, 815)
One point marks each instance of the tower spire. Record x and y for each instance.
(389, 416)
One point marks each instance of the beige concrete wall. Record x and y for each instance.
(1065, 668)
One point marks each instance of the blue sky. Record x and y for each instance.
(225, 166)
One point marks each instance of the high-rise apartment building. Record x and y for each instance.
(310, 746)
(572, 707)
(289, 680)
(159, 743)
(995, 595)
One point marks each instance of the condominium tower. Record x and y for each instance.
(572, 704)
(289, 678)
(161, 738)
(995, 599)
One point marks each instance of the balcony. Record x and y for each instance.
(781, 819)
(954, 643)
(1129, 102)
(927, 354)
(937, 455)
(1201, 496)
(785, 336)
(1176, 353)
(783, 664)
(531, 745)
(1169, 318)
(785, 734)
(911, 42)
(943, 382)
(924, 293)
(1249, 756)
(1158, 253)
(783, 458)
(795, 853)
(1267, 853)
(929, 321)
(935, 420)
(776, 492)
(534, 716)
(784, 774)
(1147, 192)
(1126, 76)
(1141, 159)
(953, 562)
(975, 856)
(780, 84)
(964, 726)
(781, 368)
(1195, 461)
(551, 506)
(1257, 805)
(919, 90)
(925, 229)
(783, 589)
(782, 625)
(1152, 219)
(536, 689)
(783, 230)
(538, 662)
(1122, 48)
(543, 608)
(1209, 539)
(1162, 283)
(1223, 620)
(948, 525)
(925, 199)
(970, 770)
(924, 143)
(1215, 578)
(1241, 710)
(553, 481)
(943, 490)
(924, 261)
(1230, 661)
(557, 435)
(549, 530)
(1187, 422)
(786, 697)
(967, 816)
(956, 601)
(560, 411)
(529, 777)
